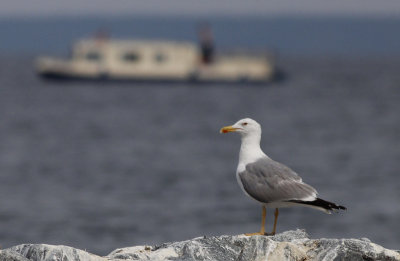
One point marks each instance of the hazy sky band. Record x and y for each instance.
(200, 7)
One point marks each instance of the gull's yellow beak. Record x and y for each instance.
(227, 129)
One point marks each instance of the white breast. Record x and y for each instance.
(239, 181)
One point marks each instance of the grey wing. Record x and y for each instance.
(269, 181)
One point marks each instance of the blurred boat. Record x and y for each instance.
(94, 59)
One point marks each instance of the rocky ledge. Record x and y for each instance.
(290, 245)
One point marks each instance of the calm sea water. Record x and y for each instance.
(101, 166)
(294, 36)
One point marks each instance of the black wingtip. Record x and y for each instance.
(329, 206)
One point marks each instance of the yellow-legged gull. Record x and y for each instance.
(269, 182)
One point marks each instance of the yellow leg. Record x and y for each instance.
(262, 231)
(264, 215)
(275, 221)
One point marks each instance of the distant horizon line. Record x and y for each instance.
(201, 16)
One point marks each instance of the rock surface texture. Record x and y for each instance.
(290, 245)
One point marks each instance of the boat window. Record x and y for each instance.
(160, 57)
(131, 57)
(93, 56)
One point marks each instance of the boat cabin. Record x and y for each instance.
(151, 60)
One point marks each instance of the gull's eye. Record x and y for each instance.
(244, 123)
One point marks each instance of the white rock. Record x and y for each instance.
(290, 245)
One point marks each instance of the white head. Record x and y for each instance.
(250, 149)
(245, 127)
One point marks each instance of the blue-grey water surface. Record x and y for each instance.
(106, 166)
(100, 166)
